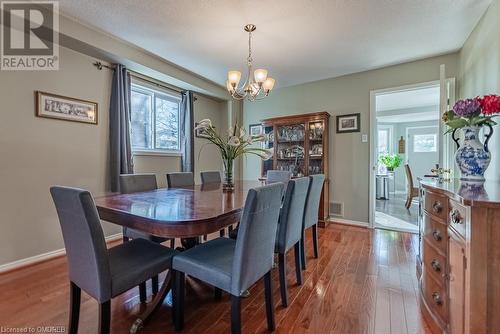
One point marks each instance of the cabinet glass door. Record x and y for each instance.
(290, 153)
(316, 130)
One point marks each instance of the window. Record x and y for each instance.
(425, 143)
(154, 120)
(384, 139)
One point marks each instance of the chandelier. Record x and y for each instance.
(257, 85)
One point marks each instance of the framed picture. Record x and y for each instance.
(200, 133)
(65, 108)
(255, 130)
(348, 123)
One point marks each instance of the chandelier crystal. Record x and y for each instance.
(257, 85)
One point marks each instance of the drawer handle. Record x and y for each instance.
(455, 217)
(436, 235)
(437, 298)
(437, 207)
(436, 265)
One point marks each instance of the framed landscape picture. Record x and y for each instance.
(255, 130)
(65, 108)
(348, 123)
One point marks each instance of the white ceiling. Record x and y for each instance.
(414, 98)
(297, 40)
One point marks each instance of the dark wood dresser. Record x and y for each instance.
(458, 265)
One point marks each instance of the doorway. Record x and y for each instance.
(406, 130)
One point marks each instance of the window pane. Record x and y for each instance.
(383, 141)
(141, 120)
(425, 143)
(167, 124)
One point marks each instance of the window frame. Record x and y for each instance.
(389, 128)
(145, 88)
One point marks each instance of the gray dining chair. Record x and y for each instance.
(234, 266)
(213, 177)
(273, 176)
(180, 179)
(210, 177)
(134, 183)
(290, 231)
(311, 215)
(101, 273)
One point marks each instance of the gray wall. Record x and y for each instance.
(349, 157)
(479, 65)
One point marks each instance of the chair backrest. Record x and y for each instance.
(134, 183)
(84, 241)
(278, 176)
(409, 178)
(210, 177)
(180, 179)
(254, 252)
(292, 214)
(313, 199)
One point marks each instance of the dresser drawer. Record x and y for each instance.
(435, 232)
(435, 295)
(457, 217)
(434, 263)
(436, 204)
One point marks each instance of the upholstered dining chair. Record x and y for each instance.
(411, 190)
(180, 179)
(290, 231)
(210, 177)
(102, 273)
(273, 176)
(311, 215)
(133, 183)
(234, 266)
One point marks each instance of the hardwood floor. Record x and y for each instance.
(363, 282)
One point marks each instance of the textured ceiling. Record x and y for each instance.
(297, 40)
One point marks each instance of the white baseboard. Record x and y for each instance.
(44, 257)
(348, 222)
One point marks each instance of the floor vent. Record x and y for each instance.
(337, 209)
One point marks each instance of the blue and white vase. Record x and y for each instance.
(473, 158)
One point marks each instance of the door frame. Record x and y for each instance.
(373, 136)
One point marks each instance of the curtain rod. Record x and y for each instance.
(141, 76)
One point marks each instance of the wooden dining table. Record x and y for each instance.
(186, 213)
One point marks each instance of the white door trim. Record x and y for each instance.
(373, 136)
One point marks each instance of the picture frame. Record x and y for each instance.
(199, 133)
(255, 130)
(48, 105)
(348, 123)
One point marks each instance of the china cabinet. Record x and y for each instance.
(300, 144)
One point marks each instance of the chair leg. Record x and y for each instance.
(178, 299)
(125, 239)
(154, 284)
(268, 291)
(229, 228)
(222, 233)
(283, 287)
(217, 294)
(315, 240)
(75, 294)
(104, 317)
(298, 265)
(235, 315)
(303, 250)
(172, 243)
(142, 292)
(205, 237)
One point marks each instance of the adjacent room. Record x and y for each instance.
(288, 166)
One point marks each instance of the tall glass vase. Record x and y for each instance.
(228, 183)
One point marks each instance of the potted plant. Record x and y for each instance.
(390, 161)
(232, 145)
(469, 116)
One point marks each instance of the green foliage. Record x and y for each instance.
(391, 161)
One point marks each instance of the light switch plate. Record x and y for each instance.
(364, 138)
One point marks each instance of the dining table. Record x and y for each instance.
(186, 213)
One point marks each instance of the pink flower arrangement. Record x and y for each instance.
(490, 104)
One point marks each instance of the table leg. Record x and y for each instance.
(153, 305)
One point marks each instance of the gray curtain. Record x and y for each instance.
(187, 131)
(119, 127)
